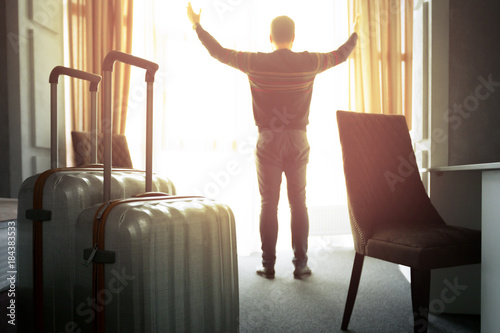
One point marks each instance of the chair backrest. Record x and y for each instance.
(81, 150)
(382, 177)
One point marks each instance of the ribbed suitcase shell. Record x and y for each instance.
(66, 192)
(175, 269)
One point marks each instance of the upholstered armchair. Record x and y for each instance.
(81, 150)
(391, 215)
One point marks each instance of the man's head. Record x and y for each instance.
(282, 32)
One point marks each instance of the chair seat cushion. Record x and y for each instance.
(426, 246)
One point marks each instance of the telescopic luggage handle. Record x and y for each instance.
(114, 56)
(107, 119)
(94, 80)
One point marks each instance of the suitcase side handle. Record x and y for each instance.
(129, 59)
(92, 166)
(151, 194)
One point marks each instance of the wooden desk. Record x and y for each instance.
(482, 188)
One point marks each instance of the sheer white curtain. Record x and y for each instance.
(204, 129)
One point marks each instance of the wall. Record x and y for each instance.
(456, 196)
(430, 83)
(4, 114)
(474, 43)
(34, 39)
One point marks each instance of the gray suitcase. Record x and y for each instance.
(49, 204)
(156, 263)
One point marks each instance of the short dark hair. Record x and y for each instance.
(282, 29)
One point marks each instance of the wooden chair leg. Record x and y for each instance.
(420, 291)
(353, 289)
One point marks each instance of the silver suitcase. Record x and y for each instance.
(49, 204)
(156, 263)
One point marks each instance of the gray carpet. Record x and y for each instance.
(316, 304)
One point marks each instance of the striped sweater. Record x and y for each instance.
(281, 82)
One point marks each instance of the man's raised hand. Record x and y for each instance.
(355, 26)
(193, 17)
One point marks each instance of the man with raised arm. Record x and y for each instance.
(281, 83)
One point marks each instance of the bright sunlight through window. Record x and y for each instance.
(204, 129)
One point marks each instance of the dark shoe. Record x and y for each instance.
(266, 272)
(301, 272)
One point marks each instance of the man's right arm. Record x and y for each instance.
(342, 53)
(328, 60)
(345, 50)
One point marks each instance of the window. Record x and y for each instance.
(204, 128)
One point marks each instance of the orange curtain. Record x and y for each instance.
(96, 27)
(381, 66)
